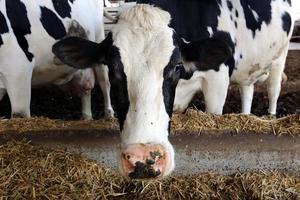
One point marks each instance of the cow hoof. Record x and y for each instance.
(19, 115)
(87, 117)
(109, 113)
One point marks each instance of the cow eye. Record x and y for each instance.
(178, 67)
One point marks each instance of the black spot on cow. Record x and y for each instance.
(225, 37)
(118, 81)
(236, 13)
(286, 22)
(187, 21)
(231, 18)
(263, 11)
(241, 56)
(229, 5)
(191, 24)
(172, 73)
(235, 24)
(72, 1)
(52, 24)
(3, 27)
(17, 15)
(62, 7)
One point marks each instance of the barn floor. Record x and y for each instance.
(54, 103)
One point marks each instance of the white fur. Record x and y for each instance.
(263, 57)
(145, 42)
(16, 70)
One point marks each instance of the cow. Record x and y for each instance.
(258, 33)
(28, 30)
(146, 58)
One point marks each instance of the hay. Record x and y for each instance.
(197, 122)
(192, 122)
(41, 124)
(32, 172)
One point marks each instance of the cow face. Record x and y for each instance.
(144, 67)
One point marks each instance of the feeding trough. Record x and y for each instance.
(203, 143)
(216, 156)
(224, 154)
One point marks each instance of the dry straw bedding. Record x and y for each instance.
(192, 122)
(32, 172)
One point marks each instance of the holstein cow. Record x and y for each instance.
(28, 31)
(145, 64)
(258, 34)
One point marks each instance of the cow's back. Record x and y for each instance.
(34, 26)
(257, 30)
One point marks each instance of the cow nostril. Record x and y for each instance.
(143, 170)
(150, 162)
(126, 157)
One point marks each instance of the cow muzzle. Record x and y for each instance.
(144, 161)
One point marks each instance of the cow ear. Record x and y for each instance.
(207, 54)
(80, 53)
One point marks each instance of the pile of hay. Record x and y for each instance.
(31, 172)
(196, 122)
(36, 124)
(192, 122)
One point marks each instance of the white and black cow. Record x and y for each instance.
(145, 65)
(257, 32)
(145, 60)
(28, 29)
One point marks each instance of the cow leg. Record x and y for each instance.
(274, 87)
(86, 106)
(185, 91)
(274, 81)
(102, 76)
(215, 91)
(246, 92)
(19, 92)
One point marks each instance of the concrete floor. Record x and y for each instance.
(221, 153)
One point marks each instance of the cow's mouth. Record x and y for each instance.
(144, 170)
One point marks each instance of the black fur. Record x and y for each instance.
(172, 74)
(62, 7)
(286, 22)
(118, 81)
(207, 54)
(81, 53)
(263, 10)
(3, 27)
(191, 25)
(229, 5)
(52, 24)
(17, 15)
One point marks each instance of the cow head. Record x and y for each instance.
(145, 65)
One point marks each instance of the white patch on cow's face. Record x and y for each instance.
(137, 35)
